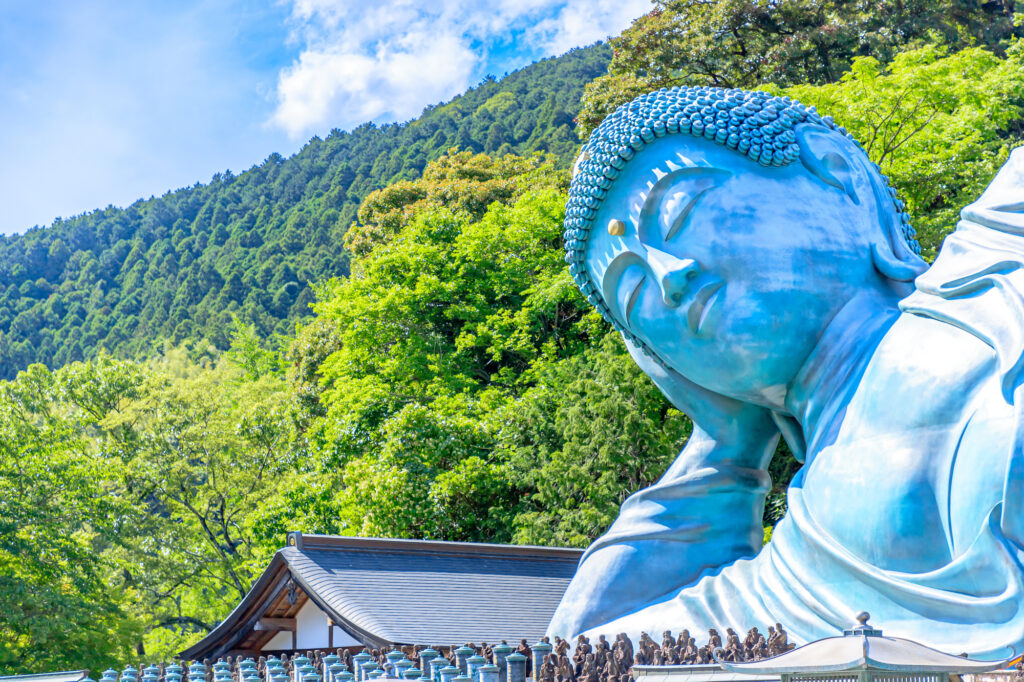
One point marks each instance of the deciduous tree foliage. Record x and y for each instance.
(460, 181)
(746, 43)
(58, 607)
(433, 329)
(129, 500)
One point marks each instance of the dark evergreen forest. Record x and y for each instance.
(184, 266)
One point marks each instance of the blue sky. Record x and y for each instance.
(103, 102)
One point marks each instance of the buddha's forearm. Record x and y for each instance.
(703, 514)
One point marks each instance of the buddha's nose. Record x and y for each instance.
(673, 274)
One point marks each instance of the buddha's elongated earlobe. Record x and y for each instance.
(891, 267)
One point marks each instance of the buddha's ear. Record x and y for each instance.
(838, 161)
(826, 155)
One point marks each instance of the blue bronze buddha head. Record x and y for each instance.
(721, 230)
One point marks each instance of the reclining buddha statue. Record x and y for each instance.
(764, 274)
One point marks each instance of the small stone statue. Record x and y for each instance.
(781, 643)
(547, 669)
(565, 669)
(626, 649)
(751, 639)
(761, 650)
(692, 652)
(523, 649)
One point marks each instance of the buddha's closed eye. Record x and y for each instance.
(677, 208)
(672, 199)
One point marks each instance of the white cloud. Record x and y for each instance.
(384, 60)
(582, 23)
(332, 84)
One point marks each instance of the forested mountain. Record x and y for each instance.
(183, 266)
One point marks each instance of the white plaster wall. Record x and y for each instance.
(311, 632)
(282, 640)
(342, 638)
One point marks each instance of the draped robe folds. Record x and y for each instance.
(910, 503)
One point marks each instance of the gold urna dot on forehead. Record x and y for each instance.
(616, 227)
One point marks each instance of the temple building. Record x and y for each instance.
(328, 592)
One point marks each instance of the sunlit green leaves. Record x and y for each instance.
(59, 607)
(127, 504)
(746, 43)
(938, 124)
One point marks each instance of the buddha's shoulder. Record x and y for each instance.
(923, 350)
(925, 371)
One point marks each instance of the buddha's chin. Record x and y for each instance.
(770, 396)
(741, 376)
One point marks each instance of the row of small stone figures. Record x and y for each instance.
(604, 662)
(684, 650)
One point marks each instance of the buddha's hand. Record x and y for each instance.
(703, 514)
(744, 435)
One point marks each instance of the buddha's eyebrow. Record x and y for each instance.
(692, 182)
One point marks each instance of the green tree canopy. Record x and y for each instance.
(460, 181)
(59, 607)
(130, 498)
(745, 43)
(939, 124)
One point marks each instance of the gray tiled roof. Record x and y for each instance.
(406, 591)
(438, 593)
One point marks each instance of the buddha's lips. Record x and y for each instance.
(702, 302)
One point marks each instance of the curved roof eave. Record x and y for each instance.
(228, 629)
(227, 633)
(301, 575)
(335, 588)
